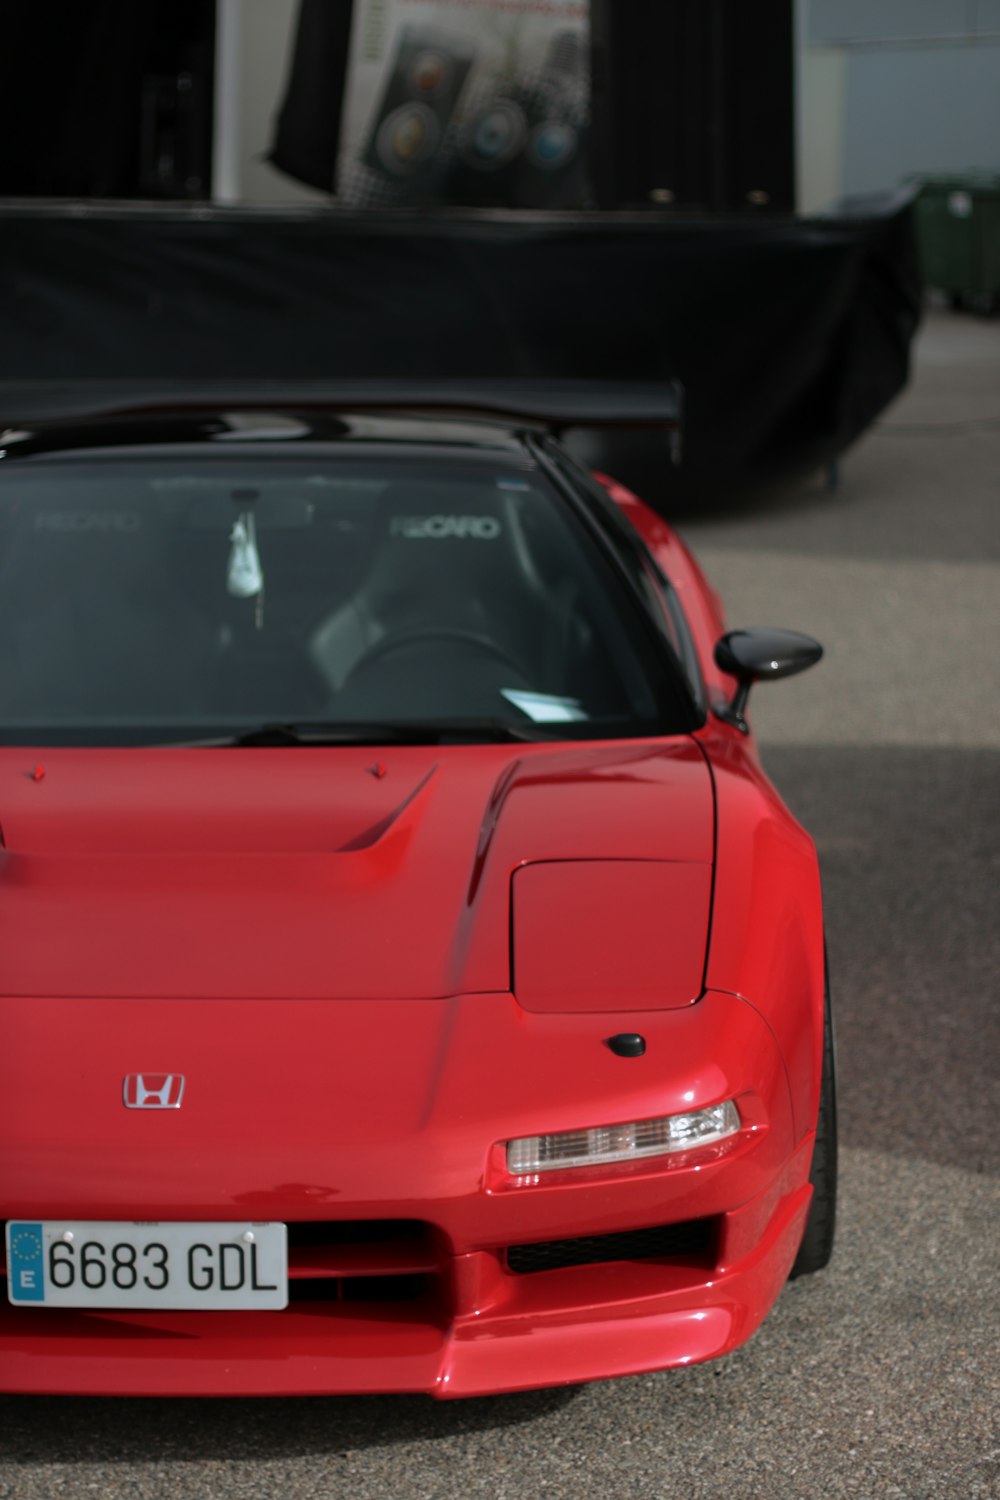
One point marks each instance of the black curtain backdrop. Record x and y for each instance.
(71, 83)
(789, 335)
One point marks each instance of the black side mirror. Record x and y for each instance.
(759, 656)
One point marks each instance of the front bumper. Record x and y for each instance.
(441, 1307)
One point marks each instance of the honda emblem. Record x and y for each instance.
(153, 1090)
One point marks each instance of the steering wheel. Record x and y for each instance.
(398, 640)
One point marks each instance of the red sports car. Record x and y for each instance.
(409, 979)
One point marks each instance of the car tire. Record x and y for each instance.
(817, 1241)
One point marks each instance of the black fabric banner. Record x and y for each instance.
(307, 130)
(789, 335)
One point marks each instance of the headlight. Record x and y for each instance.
(605, 1144)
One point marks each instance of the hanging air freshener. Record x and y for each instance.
(244, 576)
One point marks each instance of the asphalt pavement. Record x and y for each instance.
(878, 1378)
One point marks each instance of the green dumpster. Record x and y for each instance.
(958, 229)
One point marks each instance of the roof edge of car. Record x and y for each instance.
(554, 404)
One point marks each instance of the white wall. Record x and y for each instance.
(921, 110)
(821, 96)
(887, 88)
(254, 40)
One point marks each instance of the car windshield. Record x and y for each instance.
(178, 599)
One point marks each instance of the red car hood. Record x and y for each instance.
(318, 873)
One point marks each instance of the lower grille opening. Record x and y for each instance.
(360, 1289)
(304, 1233)
(367, 1260)
(694, 1239)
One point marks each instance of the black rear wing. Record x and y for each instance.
(556, 405)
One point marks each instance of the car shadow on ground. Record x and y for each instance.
(72, 1430)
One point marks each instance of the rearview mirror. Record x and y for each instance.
(759, 656)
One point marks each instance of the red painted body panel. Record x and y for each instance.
(297, 872)
(611, 1320)
(330, 1121)
(767, 921)
(610, 935)
(358, 1109)
(370, 984)
(601, 1321)
(767, 928)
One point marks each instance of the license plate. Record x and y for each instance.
(73, 1264)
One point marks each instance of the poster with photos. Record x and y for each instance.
(474, 102)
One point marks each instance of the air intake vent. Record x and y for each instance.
(693, 1239)
(373, 1260)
